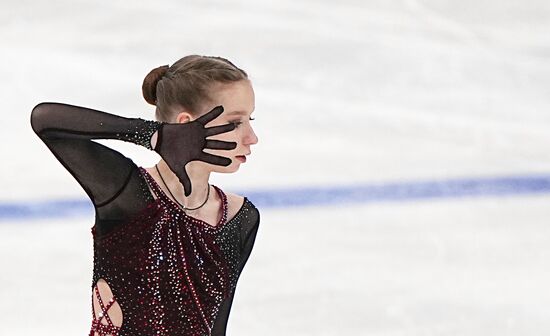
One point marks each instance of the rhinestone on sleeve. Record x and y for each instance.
(142, 133)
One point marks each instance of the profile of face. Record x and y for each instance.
(238, 101)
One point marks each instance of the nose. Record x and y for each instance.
(250, 137)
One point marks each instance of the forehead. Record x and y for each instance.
(236, 98)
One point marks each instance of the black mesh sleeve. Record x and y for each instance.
(249, 230)
(111, 180)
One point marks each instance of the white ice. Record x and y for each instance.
(347, 92)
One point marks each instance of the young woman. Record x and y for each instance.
(168, 246)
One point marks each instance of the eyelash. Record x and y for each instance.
(237, 123)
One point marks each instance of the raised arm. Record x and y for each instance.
(53, 121)
(105, 174)
(110, 179)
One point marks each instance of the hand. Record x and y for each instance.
(179, 144)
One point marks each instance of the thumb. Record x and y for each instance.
(185, 181)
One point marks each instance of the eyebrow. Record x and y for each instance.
(238, 112)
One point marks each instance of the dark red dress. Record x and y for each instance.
(172, 274)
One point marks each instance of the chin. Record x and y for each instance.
(232, 168)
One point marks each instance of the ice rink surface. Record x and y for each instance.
(347, 93)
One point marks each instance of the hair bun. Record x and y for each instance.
(149, 87)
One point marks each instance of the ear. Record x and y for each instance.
(184, 117)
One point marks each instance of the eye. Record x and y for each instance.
(236, 123)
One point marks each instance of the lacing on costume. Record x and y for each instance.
(97, 326)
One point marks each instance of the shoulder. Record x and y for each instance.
(234, 203)
(237, 204)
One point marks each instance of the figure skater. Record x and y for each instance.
(168, 246)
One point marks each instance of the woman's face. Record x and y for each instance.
(238, 103)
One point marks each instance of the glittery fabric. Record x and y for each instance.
(141, 133)
(102, 324)
(170, 272)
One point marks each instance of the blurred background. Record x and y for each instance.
(402, 170)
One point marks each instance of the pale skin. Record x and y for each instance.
(238, 101)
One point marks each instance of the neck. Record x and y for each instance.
(199, 182)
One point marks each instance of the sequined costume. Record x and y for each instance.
(102, 324)
(171, 273)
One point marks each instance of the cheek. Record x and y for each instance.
(229, 136)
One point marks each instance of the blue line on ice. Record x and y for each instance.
(355, 194)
